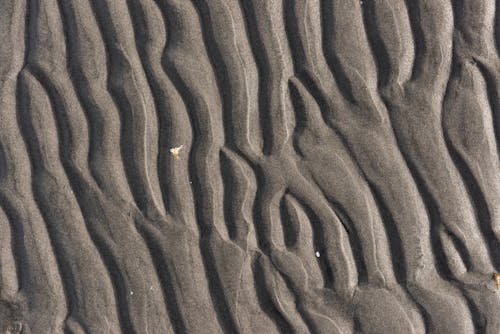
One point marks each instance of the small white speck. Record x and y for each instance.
(175, 151)
(317, 254)
(151, 288)
(131, 293)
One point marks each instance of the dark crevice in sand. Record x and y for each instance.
(298, 55)
(376, 43)
(493, 91)
(298, 304)
(220, 69)
(217, 292)
(264, 299)
(229, 189)
(164, 273)
(418, 37)
(227, 93)
(292, 32)
(264, 70)
(290, 231)
(327, 17)
(41, 193)
(311, 326)
(261, 226)
(473, 187)
(435, 223)
(86, 199)
(118, 278)
(357, 325)
(125, 114)
(481, 207)
(307, 81)
(40, 198)
(28, 136)
(354, 240)
(395, 244)
(478, 321)
(97, 115)
(157, 91)
(26, 37)
(319, 243)
(300, 117)
(9, 268)
(17, 241)
(262, 230)
(187, 96)
(199, 196)
(239, 191)
(352, 233)
(171, 111)
(302, 74)
(397, 251)
(32, 277)
(126, 93)
(164, 266)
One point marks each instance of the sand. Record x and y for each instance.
(249, 166)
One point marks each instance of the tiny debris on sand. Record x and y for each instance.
(317, 254)
(496, 277)
(175, 151)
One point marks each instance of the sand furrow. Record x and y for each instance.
(107, 232)
(89, 76)
(131, 93)
(73, 246)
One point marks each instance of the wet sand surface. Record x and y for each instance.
(249, 166)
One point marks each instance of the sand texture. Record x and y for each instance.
(249, 166)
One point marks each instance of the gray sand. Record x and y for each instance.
(249, 166)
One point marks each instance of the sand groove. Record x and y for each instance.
(336, 171)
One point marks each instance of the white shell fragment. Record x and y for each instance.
(175, 151)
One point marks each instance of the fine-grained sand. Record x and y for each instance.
(249, 166)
